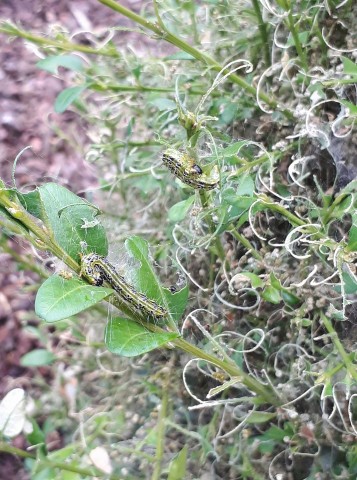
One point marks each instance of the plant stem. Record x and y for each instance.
(140, 88)
(249, 165)
(262, 159)
(266, 392)
(351, 368)
(263, 31)
(294, 220)
(288, 215)
(44, 237)
(64, 45)
(128, 88)
(227, 365)
(157, 14)
(202, 57)
(339, 81)
(300, 51)
(327, 375)
(246, 243)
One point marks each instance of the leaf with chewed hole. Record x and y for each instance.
(52, 62)
(144, 278)
(71, 219)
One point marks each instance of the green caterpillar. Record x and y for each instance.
(98, 269)
(184, 168)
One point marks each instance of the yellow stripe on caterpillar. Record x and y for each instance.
(185, 169)
(98, 269)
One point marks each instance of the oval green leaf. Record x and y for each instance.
(178, 211)
(260, 417)
(68, 96)
(37, 358)
(58, 298)
(129, 339)
(271, 295)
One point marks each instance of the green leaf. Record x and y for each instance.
(233, 149)
(37, 358)
(129, 339)
(234, 206)
(340, 205)
(144, 277)
(352, 110)
(246, 186)
(275, 282)
(67, 97)
(266, 446)
(58, 298)
(274, 433)
(176, 302)
(33, 204)
(71, 475)
(137, 71)
(177, 467)
(289, 298)
(327, 390)
(260, 417)
(37, 436)
(271, 295)
(228, 114)
(40, 472)
(283, 4)
(351, 456)
(333, 312)
(349, 188)
(68, 217)
(349, 67)
(178, 211)
(180, 56)
(352, 235)
(63, 453)
(51, 64)
(303, 38)
(349, 282)
(255, 281)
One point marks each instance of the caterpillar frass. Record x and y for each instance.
(98, 269)
(184, 168)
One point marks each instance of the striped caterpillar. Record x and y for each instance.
(98, 269)
(184, 168)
